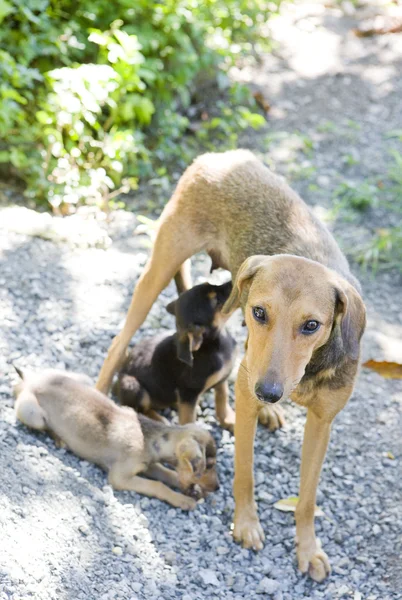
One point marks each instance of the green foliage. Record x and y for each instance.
(92, 94)
(395, 175)
(384, 251)
(357, 196)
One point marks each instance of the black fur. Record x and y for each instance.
(154, 362)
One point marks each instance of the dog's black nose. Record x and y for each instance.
(269, 392)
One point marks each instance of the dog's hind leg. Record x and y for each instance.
(130, 392)
(29, 412)
(120, 478)
(175, 242)
(183, 278)
(224, 412)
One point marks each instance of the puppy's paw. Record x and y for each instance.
(187, 503)
(272, 417)
(313, 560)
(228, 421)
(195, 491)
(248, 532)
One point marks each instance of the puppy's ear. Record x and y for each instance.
(352, 313)
(184, 350)
(190, 458)
(242, 282)
(171, 307)
(223, 292)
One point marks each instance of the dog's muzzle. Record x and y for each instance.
(268, 392)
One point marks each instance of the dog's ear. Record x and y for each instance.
(223, 292)
(171, 307)
(190, 458)
(352, 314)
(184, 349)
(247, 270)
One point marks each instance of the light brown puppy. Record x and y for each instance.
(234, 208)
(117, 439)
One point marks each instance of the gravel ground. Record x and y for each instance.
(64, 533)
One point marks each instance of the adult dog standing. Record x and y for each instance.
(302, 306)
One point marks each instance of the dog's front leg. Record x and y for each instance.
(247, 528)
(120, 478)
(309, 554)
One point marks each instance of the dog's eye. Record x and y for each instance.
(310, 327)
(259, 314)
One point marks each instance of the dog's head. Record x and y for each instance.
(196, 462)
(198, 315)
(293, 308)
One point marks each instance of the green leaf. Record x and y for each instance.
(43, 117)
(5, 9)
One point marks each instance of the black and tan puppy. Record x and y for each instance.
(117, 439)
(173, 370)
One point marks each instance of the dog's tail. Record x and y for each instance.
(19, 372)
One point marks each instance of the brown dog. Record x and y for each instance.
(302, 307)
(117, 439)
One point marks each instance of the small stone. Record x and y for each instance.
(376, 529)
(117, 551)
(267, 586)
(136, 586)
(170, 557)
(83, 529)
(209, 577)
(222, 550)
(323, 181)
(343, 590)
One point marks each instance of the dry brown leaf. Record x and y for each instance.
(289, 505)
(389, 370)
(379, 25)
(262, 102)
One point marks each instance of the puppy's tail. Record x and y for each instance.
(19, 372)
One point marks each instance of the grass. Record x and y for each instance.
(356, 196)
(385, 249)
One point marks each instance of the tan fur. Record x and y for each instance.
(117, 439)
(242, 214)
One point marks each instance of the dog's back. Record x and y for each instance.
(87, 421)
(244, 209)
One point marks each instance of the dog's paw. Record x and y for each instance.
(314, 561)
(187, 503)
(195, 491)
(272, 417)
(228, 421)
(248, 532)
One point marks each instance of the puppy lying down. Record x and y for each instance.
(117, 439)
